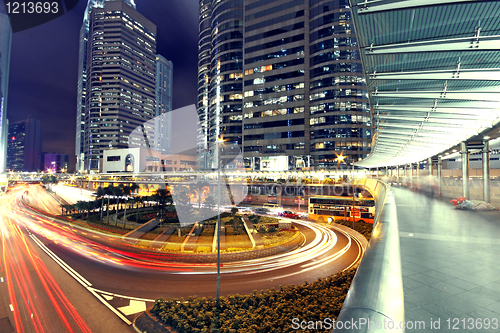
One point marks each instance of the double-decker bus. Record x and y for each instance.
(334, 208)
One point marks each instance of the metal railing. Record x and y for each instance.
(375, 301)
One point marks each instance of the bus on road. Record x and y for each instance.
(334, 208)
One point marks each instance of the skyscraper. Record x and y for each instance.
(24, 148)
(82, 82)
(5, 43)
(163, 119)
(282, 79)
(120, 80)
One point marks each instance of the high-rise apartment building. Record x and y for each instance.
(24, 147)
(283, 80)
(163, 119)
(5, 44)
(120, 80)
(82, 82)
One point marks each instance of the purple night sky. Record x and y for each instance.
(44, 66)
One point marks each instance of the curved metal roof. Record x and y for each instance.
(433, 74)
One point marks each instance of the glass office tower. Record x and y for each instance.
(82, 82)
(120, 77)
(5, 44)
(163, 118)
(300, 100)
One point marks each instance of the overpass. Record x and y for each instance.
(432, 70)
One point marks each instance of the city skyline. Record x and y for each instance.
(283, 81)
(44, 84)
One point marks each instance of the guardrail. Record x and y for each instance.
(375, 301)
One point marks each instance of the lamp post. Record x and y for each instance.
(217, 142)
(217, 158)
(353, 196)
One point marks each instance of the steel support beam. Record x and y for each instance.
(486, 171)
(490, 74)
(367, 7)
(490, 96)
(465, 170)
(439, 175)
(473, 43)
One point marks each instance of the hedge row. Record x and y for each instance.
(270, 311)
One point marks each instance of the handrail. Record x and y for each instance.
(375, 301)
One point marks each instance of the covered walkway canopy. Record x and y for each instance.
(433, 74)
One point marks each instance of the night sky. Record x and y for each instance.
(44, 66)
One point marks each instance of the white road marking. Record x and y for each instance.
(134, 307)
(11, 307)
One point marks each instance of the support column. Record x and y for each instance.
(439, 180)
(418, 169)
(397, 174)
(486, 171)
(465, 170)
(429, 160)
(386, 171)
(411, 176)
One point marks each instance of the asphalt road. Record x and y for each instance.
(112, 277)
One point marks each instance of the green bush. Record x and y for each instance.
(270, 311)
(271, 229)
(362, 227)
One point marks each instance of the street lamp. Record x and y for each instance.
(217, 142)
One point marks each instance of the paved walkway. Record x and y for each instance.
(141, 230)
(450, 264)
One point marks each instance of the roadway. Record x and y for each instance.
(449, 263)
(104, 267)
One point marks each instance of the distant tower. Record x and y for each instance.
(82, 81)
(5, 42)
(120, 77)
(163, 119)
(24, 149)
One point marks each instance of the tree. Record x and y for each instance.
(163, 197)
(198, 188)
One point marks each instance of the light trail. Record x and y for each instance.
(114, 251)
(33, 292)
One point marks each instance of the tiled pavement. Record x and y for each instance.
(450, 264)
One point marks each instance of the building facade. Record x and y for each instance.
(5, 45)
(119, 79)
(55, 163)
(82, 82)
(145, 160)
(24, 148)
(163, 119)
(283, 81)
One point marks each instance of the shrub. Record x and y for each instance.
(267, 311)
(271, 229)
(203, 249)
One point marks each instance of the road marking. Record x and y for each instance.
(133, 308)
(61, 263)
(11, 307)
(123, 296)
(107, 297)
(103, 301)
